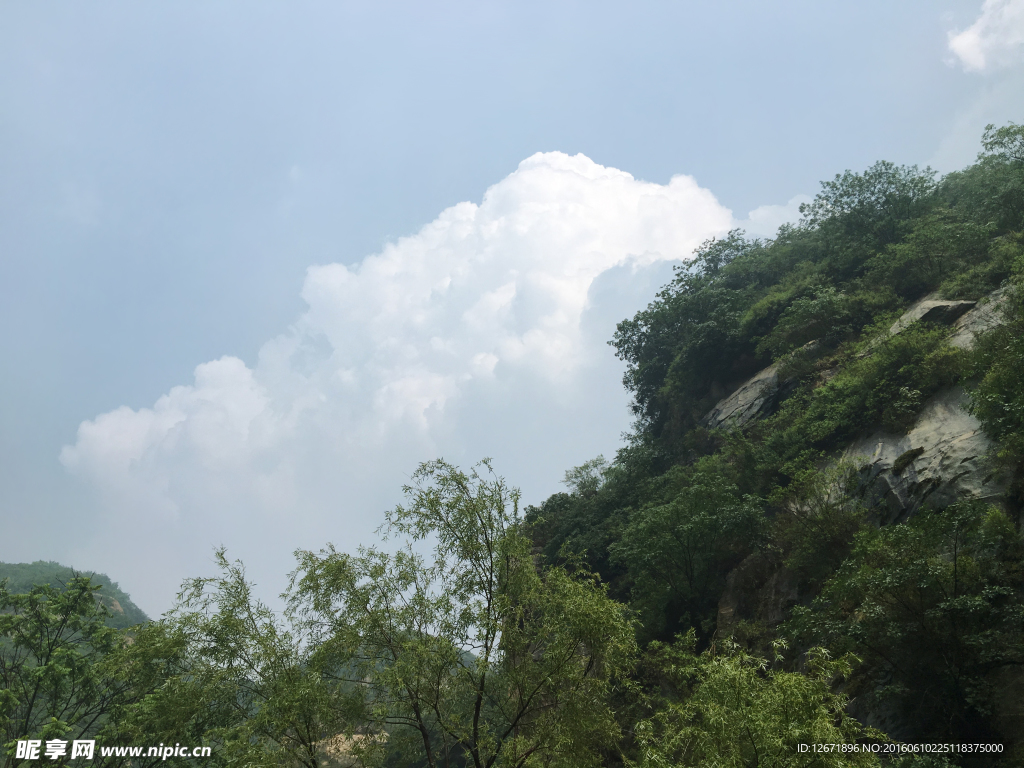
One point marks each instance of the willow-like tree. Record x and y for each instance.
(223, 670)
(475, 655)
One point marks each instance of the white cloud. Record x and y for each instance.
(765, 220)
(482, 334)
(994, 40)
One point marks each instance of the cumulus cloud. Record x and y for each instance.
(765, 220)
(482, 334)
(994, 40)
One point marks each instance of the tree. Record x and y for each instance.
(587, 478)
(731, 709)
(871, 207)
(54, 684)
(935, 608)
(1005, 142)
(475, 656)
(680, 547)
(688, 339)
(223, 670)
(992, 190)
(819, 515)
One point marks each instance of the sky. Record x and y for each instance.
(260, 259)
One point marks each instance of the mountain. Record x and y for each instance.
(21, 577)
(829, 449)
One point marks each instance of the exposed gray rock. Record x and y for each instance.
(758, 396)
(755, 398)
(986, 315)
(932, 310)
(941, 459)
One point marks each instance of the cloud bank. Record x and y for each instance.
(994, 40)
(482, 334)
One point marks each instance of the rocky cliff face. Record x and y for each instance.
(942, 458)
(931, 309)
(755, 398)
(758, 396)
(987, 314)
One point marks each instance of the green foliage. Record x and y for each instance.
(587, 478)
(935, 608)
(885, 387)
(823, 316)
(975, 282)
(1005, 143)
(992, 190)
(937, 246)
(22, 577)
(54, 679)
(587, 521)
(679, 547)
(998, 399)
(732, 709)
(819, 517)
(871, 208)
(226, 672)
(474, 657)
(689, 338)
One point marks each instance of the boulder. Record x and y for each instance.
(941, 459)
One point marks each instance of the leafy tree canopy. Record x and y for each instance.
(733, 709)
(473, 656)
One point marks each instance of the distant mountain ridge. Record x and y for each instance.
(21, 577)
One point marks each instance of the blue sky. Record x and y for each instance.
(169, 173)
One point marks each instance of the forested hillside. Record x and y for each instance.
(891, 312)
(812, 537)
(20, 578)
